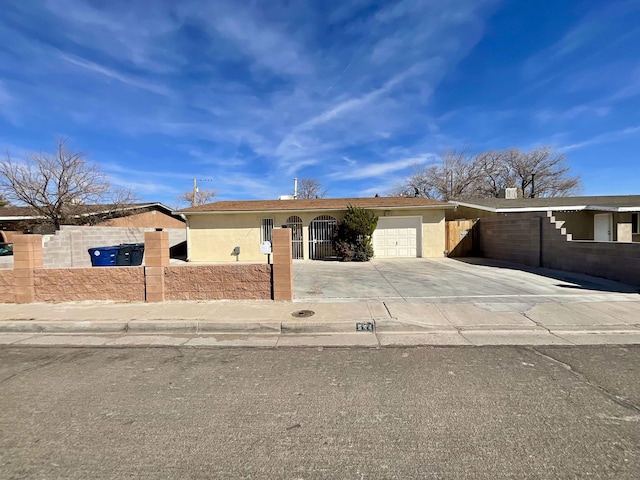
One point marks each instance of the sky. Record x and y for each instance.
(245, 96)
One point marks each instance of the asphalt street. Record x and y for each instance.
(423, 412)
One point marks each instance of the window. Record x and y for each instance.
(266, 230)
(635, 223)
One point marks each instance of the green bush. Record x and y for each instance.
(352, 240)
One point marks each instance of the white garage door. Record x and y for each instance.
(397, 237)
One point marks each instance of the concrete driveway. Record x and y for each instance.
(446, 280)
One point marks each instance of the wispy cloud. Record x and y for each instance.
(5, 97)
(371, 170)
(548, 115)
(602, 138)
(113, 74)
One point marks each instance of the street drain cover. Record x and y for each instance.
(302, 313)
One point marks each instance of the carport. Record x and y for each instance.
(447, 280)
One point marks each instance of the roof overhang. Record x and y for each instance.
(123, 208)
(12, 218)
(292, 211)
(556, 208)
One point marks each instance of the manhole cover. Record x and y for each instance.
(302, 313)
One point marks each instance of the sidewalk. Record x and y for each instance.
(281, 324)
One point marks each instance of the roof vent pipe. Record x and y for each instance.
(295, 188)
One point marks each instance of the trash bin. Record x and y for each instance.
(103, 256)
(6, 249)
(137, 252)
(130, 254)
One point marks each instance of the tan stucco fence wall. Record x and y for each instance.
(212, 237)
(156, 281)
(540, 240)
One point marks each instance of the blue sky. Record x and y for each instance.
(353, 93)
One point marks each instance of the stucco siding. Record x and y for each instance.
(578, 224)
(212, 238)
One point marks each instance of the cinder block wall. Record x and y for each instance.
(537, 239)
(68, 247)
(508, 238)
(218, 282)
(124, 284)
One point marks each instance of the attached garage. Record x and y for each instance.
(396, 237)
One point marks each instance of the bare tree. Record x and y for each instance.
(453, 178)
(538, 173)
(542, 173)
(58, 185)
(3, 202)
(310, 188)
(202, 197)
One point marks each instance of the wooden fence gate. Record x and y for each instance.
(459, 237)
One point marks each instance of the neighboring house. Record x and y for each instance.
(138, 215)
(602, 218)
(92, 226)
(407, 227)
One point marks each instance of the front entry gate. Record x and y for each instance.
(321, 232)
(295, 224)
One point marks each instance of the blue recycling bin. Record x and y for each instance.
(104, 256)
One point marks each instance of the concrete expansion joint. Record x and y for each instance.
(554, 334)
(538, 324)
(623, 402)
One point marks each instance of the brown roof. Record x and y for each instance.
(316, 204)
(26, 212)
(609, 201)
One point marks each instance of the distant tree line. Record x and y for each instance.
(541, 172)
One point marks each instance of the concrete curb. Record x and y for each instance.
(138, 326)
(342, 340)
(302, 327)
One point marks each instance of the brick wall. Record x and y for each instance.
(7, 289)
(157, 281)
(218, 282)
(101, 283)
(68, 247)
(538, 239)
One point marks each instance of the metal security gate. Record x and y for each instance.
(295, 224)
(320, 237)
